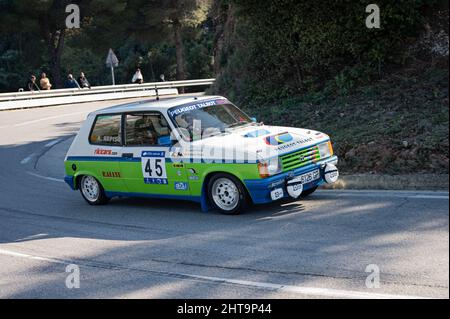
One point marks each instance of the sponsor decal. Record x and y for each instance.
(100, 151)
(108, 139)
(294, 144)
(181, 186)
(277, 183)
(193, 175)
(111, 174)
(178, 165)
(279, 139)
(157, 181)
(174, 112)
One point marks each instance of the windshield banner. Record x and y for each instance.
(174, 112)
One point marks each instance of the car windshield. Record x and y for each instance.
(197, 122)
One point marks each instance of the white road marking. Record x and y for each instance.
(53, 143)
(430, 197)
(309, 291)
(46, 119)
(59, 180)
(16, 254)
(31, 237)
(387, 193)
(26, 160)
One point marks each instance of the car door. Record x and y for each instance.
(146, 165)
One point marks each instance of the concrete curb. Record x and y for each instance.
(392, 182)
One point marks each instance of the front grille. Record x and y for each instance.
(301, 158)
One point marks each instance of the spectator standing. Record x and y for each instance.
(45, 82)
(32, 85)
(162, 77)
(83, 81)
(138, 78)
(71, 83)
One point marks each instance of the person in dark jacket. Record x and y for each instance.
(71, 83)
(83, 81)
(32, 85)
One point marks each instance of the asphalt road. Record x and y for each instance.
(140, 248)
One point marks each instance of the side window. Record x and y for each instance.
(107, 130)
(147, 130)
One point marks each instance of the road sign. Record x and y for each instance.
(112, 61)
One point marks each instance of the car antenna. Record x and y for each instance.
(157, 93)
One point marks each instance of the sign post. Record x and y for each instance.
(112, 61)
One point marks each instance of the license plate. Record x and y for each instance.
(277, 194)
(308, 177)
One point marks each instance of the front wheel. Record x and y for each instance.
(92, 191)
(227, 194)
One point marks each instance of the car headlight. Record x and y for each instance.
(269, 167)
(325, 150)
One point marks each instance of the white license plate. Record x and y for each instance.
(276, 194)
(308, 177)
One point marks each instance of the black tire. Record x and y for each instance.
(308, 192)
(100, 198)
(240, 202)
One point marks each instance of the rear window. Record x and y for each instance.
(106, 130)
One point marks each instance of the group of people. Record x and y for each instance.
(138, 78)
(45, 84)
(72, 83)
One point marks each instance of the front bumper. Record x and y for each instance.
(260, 189)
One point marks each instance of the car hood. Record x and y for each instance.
(254, 142)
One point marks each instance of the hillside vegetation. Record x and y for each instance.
(382, 94)
(398, 125)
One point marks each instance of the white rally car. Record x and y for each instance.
(202, 149)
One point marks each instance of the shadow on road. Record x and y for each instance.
(309, 239)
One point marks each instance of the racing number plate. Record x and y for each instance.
(277, 194)
(154, 167)
(308, 177)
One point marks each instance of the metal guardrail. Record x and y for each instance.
(19, 100)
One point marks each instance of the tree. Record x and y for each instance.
(174, 16)
(39, 20)
(53, 30)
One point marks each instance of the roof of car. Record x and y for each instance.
(155, 105)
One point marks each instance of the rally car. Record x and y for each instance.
(202, 149)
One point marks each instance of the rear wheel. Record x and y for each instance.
(227, 194)
(92, 191)
(308, 192)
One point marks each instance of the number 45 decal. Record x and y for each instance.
(154, 167)
(157, 167)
